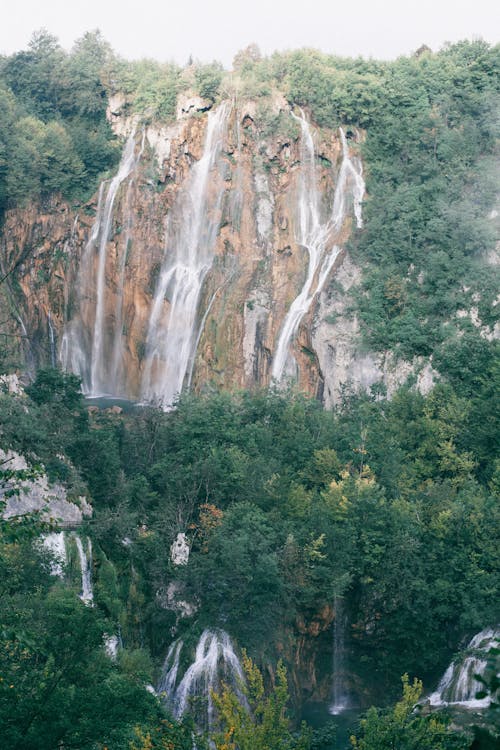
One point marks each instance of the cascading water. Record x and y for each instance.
(116, 373)
(340, 699)
(56, 544)
(80, 352)
(85, 556)
(52, 341)
(191, 234)
(170, 668)
(215, 660)
(317, 236)
(458, 685)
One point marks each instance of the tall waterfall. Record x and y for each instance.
(215, 660)
(116, 369)
(85, 556)
(340, 699)
(191, 233)
(80, 352)
(458, 685)
(318, 236)
(168, 678)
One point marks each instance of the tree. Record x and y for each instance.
(261, 723)
(403, 728)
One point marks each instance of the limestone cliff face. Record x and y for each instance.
(101, 288)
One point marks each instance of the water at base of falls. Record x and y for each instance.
(215, 661)
(458, 686)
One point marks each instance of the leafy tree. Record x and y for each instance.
(208, 79)
(262, 723)
(403, 728)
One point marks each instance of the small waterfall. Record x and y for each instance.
(170, 669)
(191, 233)
(87, 594)
(215, 660)
(236, 195)
(52, 341)
(340, 698)
(317, 236)
(56, 544)
(83, 349)
(458, 685)
(111, 645)
(76, 342)
(25, 344)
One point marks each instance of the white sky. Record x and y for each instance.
(217, 29)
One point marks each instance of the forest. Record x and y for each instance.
(384, 509)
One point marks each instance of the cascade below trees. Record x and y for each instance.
(459, 686)
(215, 661)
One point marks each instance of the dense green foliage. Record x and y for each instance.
(390, 505)
(402, 727)
(57, 685)
(263, 723)
(54, 137)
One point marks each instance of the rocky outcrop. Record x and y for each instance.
(337, 342)
(23, 494)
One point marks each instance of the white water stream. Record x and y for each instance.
(52, 341)
(215, 660)
(458, 685)
(55, 542)
(81, 352)
(340, 698)
(116, 374)
(191, 233)
(85, 556)
(319, 237)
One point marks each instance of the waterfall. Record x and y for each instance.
(191, 233)
(30, 360)
(52, 340)
(340, 699)
(98, 375)
(116, 374)
(56, 544)
(236, 195)
(87, 594)
(75, 340)
(215, 660)
(111, 645)
(317, 236)
(82, 352)
(458, 685)
(170, 669)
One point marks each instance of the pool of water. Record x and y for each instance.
(346, 723)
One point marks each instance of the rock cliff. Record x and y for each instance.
(214, 257)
